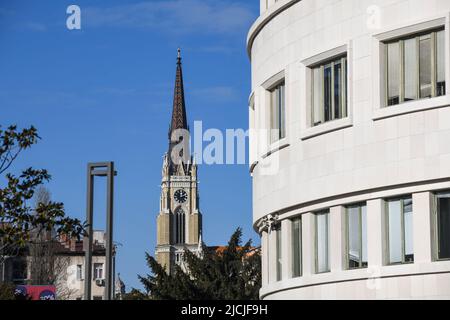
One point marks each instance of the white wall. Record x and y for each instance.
(71, 288)
(374, 153)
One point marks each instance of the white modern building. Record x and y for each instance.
(350, 148)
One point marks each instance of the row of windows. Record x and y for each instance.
(398, 228)
(414, 69)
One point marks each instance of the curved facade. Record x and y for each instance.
(350, 148)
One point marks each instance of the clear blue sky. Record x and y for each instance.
(105, 93)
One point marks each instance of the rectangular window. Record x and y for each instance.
(277, 113)
(279, 254)
(415, 67)
(296, 247)
(356, 236)
(79, 272)
(322, 242)
(400, 230)
(98, 271)
(442, 225)
(329, 92)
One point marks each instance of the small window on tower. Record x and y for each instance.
(179, 220)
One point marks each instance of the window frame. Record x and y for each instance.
(402, 84)
(321, 66)
(179, 216)
(347, 236)
(402, 229)
(316, 242)
(435, 221)
(279, 253)
(95, 271)
(294, 221)
(80, 273)
(279, 133)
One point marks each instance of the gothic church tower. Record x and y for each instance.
(179, 222)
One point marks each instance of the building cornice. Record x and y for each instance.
(264, 19)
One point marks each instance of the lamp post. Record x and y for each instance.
(102, 169)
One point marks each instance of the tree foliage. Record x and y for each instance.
(233, 273)
(18, 220)
(12, 142)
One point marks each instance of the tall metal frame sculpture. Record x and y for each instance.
(101, 169)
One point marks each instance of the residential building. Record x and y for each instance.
(66, 258)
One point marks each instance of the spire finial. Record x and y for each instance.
(179, 54)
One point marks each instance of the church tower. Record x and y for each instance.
(179, 222)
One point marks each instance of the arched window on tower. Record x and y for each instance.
(179, 226)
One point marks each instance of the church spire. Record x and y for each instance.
(179, 120)
(179, 223)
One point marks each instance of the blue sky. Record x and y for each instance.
(105, 93)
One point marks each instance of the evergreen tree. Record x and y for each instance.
(233, 273)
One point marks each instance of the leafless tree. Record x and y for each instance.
(42, 248)
(47, 264)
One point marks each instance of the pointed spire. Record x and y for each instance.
(179, 120)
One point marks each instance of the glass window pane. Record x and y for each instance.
(440, 51)
(364, 235)
(409, 241)
(79, 272)
(443, 226)
(393, 73)
(338, 90)
(411, 69)
(329, 91)
(279, 255)
(274, 115)
(277, 113)
(353, 237)
(394, 231)
(322, 242)
(317, 98)
(296, 247)
(425, 66)
(327, 94)
(281, 104)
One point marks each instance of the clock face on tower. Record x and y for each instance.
(180, 196)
